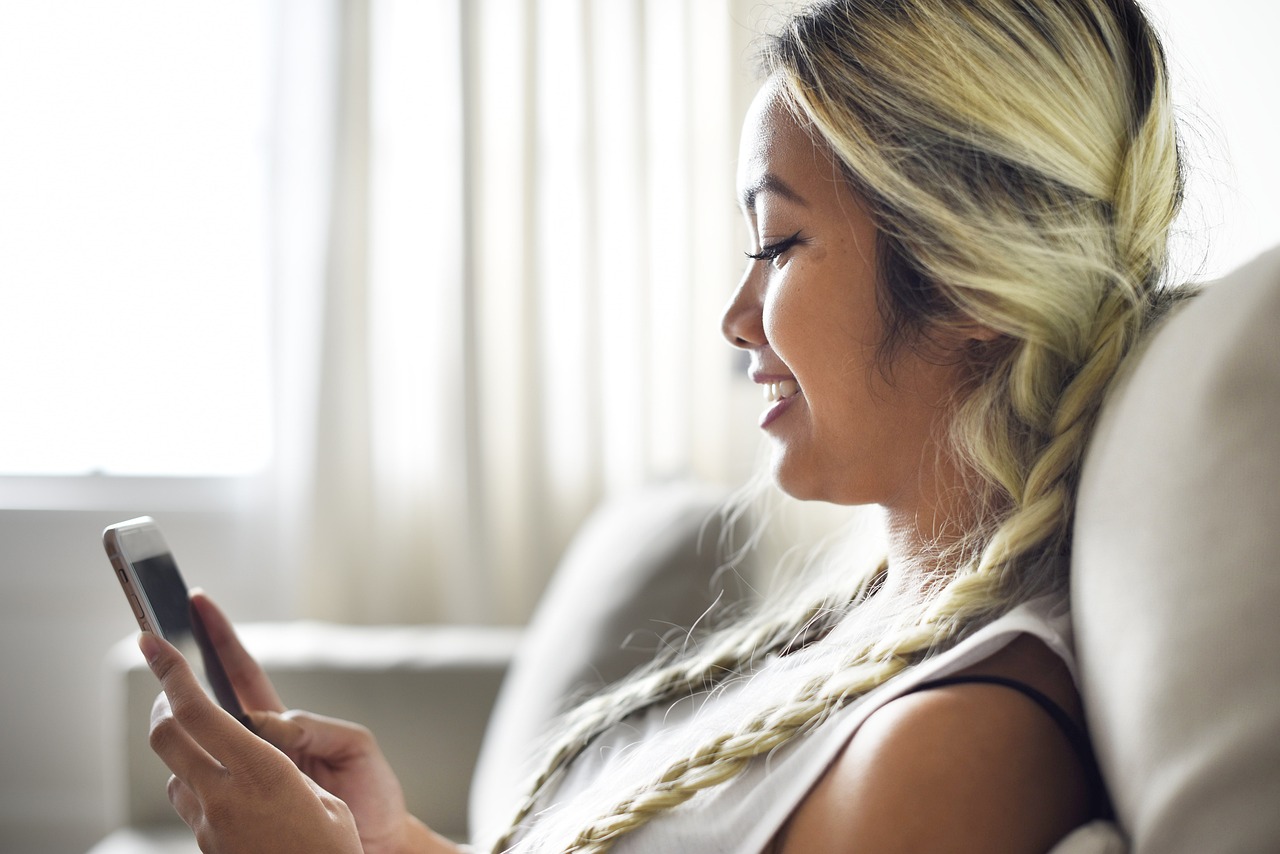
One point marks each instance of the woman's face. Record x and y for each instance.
(843, 429)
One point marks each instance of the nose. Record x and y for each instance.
(743, 321)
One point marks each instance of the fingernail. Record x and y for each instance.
(150, 646)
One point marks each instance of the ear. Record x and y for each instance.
(977, 332)
(963, 333)
(964, 329)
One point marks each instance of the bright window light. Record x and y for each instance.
(1222, 56)
(133, 298)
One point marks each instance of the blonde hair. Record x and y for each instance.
(1020, 160)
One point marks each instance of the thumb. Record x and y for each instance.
(283, 732)
(298, 733)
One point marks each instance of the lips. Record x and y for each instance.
(780, 392)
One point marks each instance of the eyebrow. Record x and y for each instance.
(770, 183)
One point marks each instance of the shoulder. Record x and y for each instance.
(968, 767)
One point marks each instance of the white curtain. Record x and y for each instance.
(500, 264)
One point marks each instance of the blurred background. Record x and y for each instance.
(369, 302)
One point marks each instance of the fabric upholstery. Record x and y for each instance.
(642, 569)
(1176, 576)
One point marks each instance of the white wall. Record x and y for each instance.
(60, 609)
(1225, 67)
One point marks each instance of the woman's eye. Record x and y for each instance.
(773, 251)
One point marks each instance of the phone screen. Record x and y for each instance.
(167, 592)
(145, 564)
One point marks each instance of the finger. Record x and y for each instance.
(200, 719)
(185, 803)
(177, 749)
(280, 731)
(247, 676)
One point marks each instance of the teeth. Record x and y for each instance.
(774, 392)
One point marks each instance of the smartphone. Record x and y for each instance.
(162, 603)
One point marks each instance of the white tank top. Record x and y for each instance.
(743, 815)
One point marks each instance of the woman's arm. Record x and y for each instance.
(964, 768)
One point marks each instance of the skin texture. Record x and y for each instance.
(303, 783)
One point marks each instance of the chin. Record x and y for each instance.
(814, 482)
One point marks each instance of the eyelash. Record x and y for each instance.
(774, 250)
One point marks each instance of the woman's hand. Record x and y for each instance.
(341, 761)
(234, 790)
(344, 760)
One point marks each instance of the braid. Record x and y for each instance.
(1150, 186)
(711, 764)
(726, 652)
(601, 712)
(725, 757)
(1039, 521)
(1146, 198)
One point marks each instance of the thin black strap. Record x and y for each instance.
(1100, 803)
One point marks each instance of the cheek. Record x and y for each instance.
(823, 327)
(777, 315)
(794, 310)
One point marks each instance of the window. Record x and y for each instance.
(133, 237)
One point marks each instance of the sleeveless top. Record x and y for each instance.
(745, 813)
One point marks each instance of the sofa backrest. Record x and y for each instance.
(641, 571)
(1176, 576)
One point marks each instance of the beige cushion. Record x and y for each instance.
(1176, 576)
(642, 568)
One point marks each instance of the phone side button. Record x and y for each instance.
(137, 607)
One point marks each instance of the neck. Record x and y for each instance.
(924, 530)
(915, 560)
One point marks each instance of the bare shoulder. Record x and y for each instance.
(968, 767)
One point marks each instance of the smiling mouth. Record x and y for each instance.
(773, 392)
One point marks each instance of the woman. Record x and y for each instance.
(958, 212)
